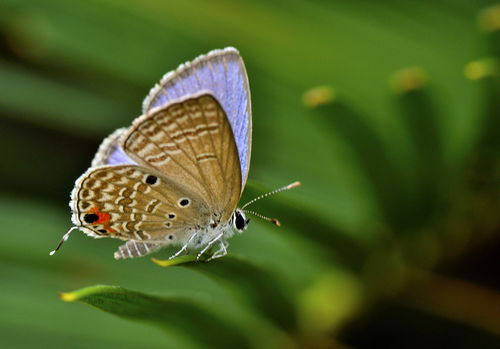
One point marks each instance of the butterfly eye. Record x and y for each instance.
(240, 221)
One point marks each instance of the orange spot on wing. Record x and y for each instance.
(103, 218)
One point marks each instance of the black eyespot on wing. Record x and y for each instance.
(168, 224)
(151, 179)
(170, 237)
(184, 202)
(90, 217)
(171, 215)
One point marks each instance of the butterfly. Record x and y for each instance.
(176, 175)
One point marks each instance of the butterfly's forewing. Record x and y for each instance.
(223, 73)
(110, 152)
(191, 142)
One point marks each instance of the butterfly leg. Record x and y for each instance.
(213, 241)
(221, 252)
(183, 248)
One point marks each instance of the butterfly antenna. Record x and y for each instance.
(272, 220)
(64, 238)
(275, 191)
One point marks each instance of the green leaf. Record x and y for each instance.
(173, 313)
(252, 284)
(175, 261)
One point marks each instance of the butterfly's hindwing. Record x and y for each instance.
(110, 152)
(133, 203)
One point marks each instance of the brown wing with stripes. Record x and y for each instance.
(191, 143)
(131, 202)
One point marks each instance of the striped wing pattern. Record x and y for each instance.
(124, 202)
(185, 169)
(191, 142)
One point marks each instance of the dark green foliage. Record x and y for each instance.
(181, 314)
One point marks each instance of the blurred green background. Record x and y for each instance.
(387, 111)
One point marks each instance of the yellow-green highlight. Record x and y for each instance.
(175, 261)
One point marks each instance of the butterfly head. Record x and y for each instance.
(239, 220)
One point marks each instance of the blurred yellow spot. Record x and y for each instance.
(479, 69)
(408, 79)
(489, 18)
(329, 302)
(317, 96)
(68, 297)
